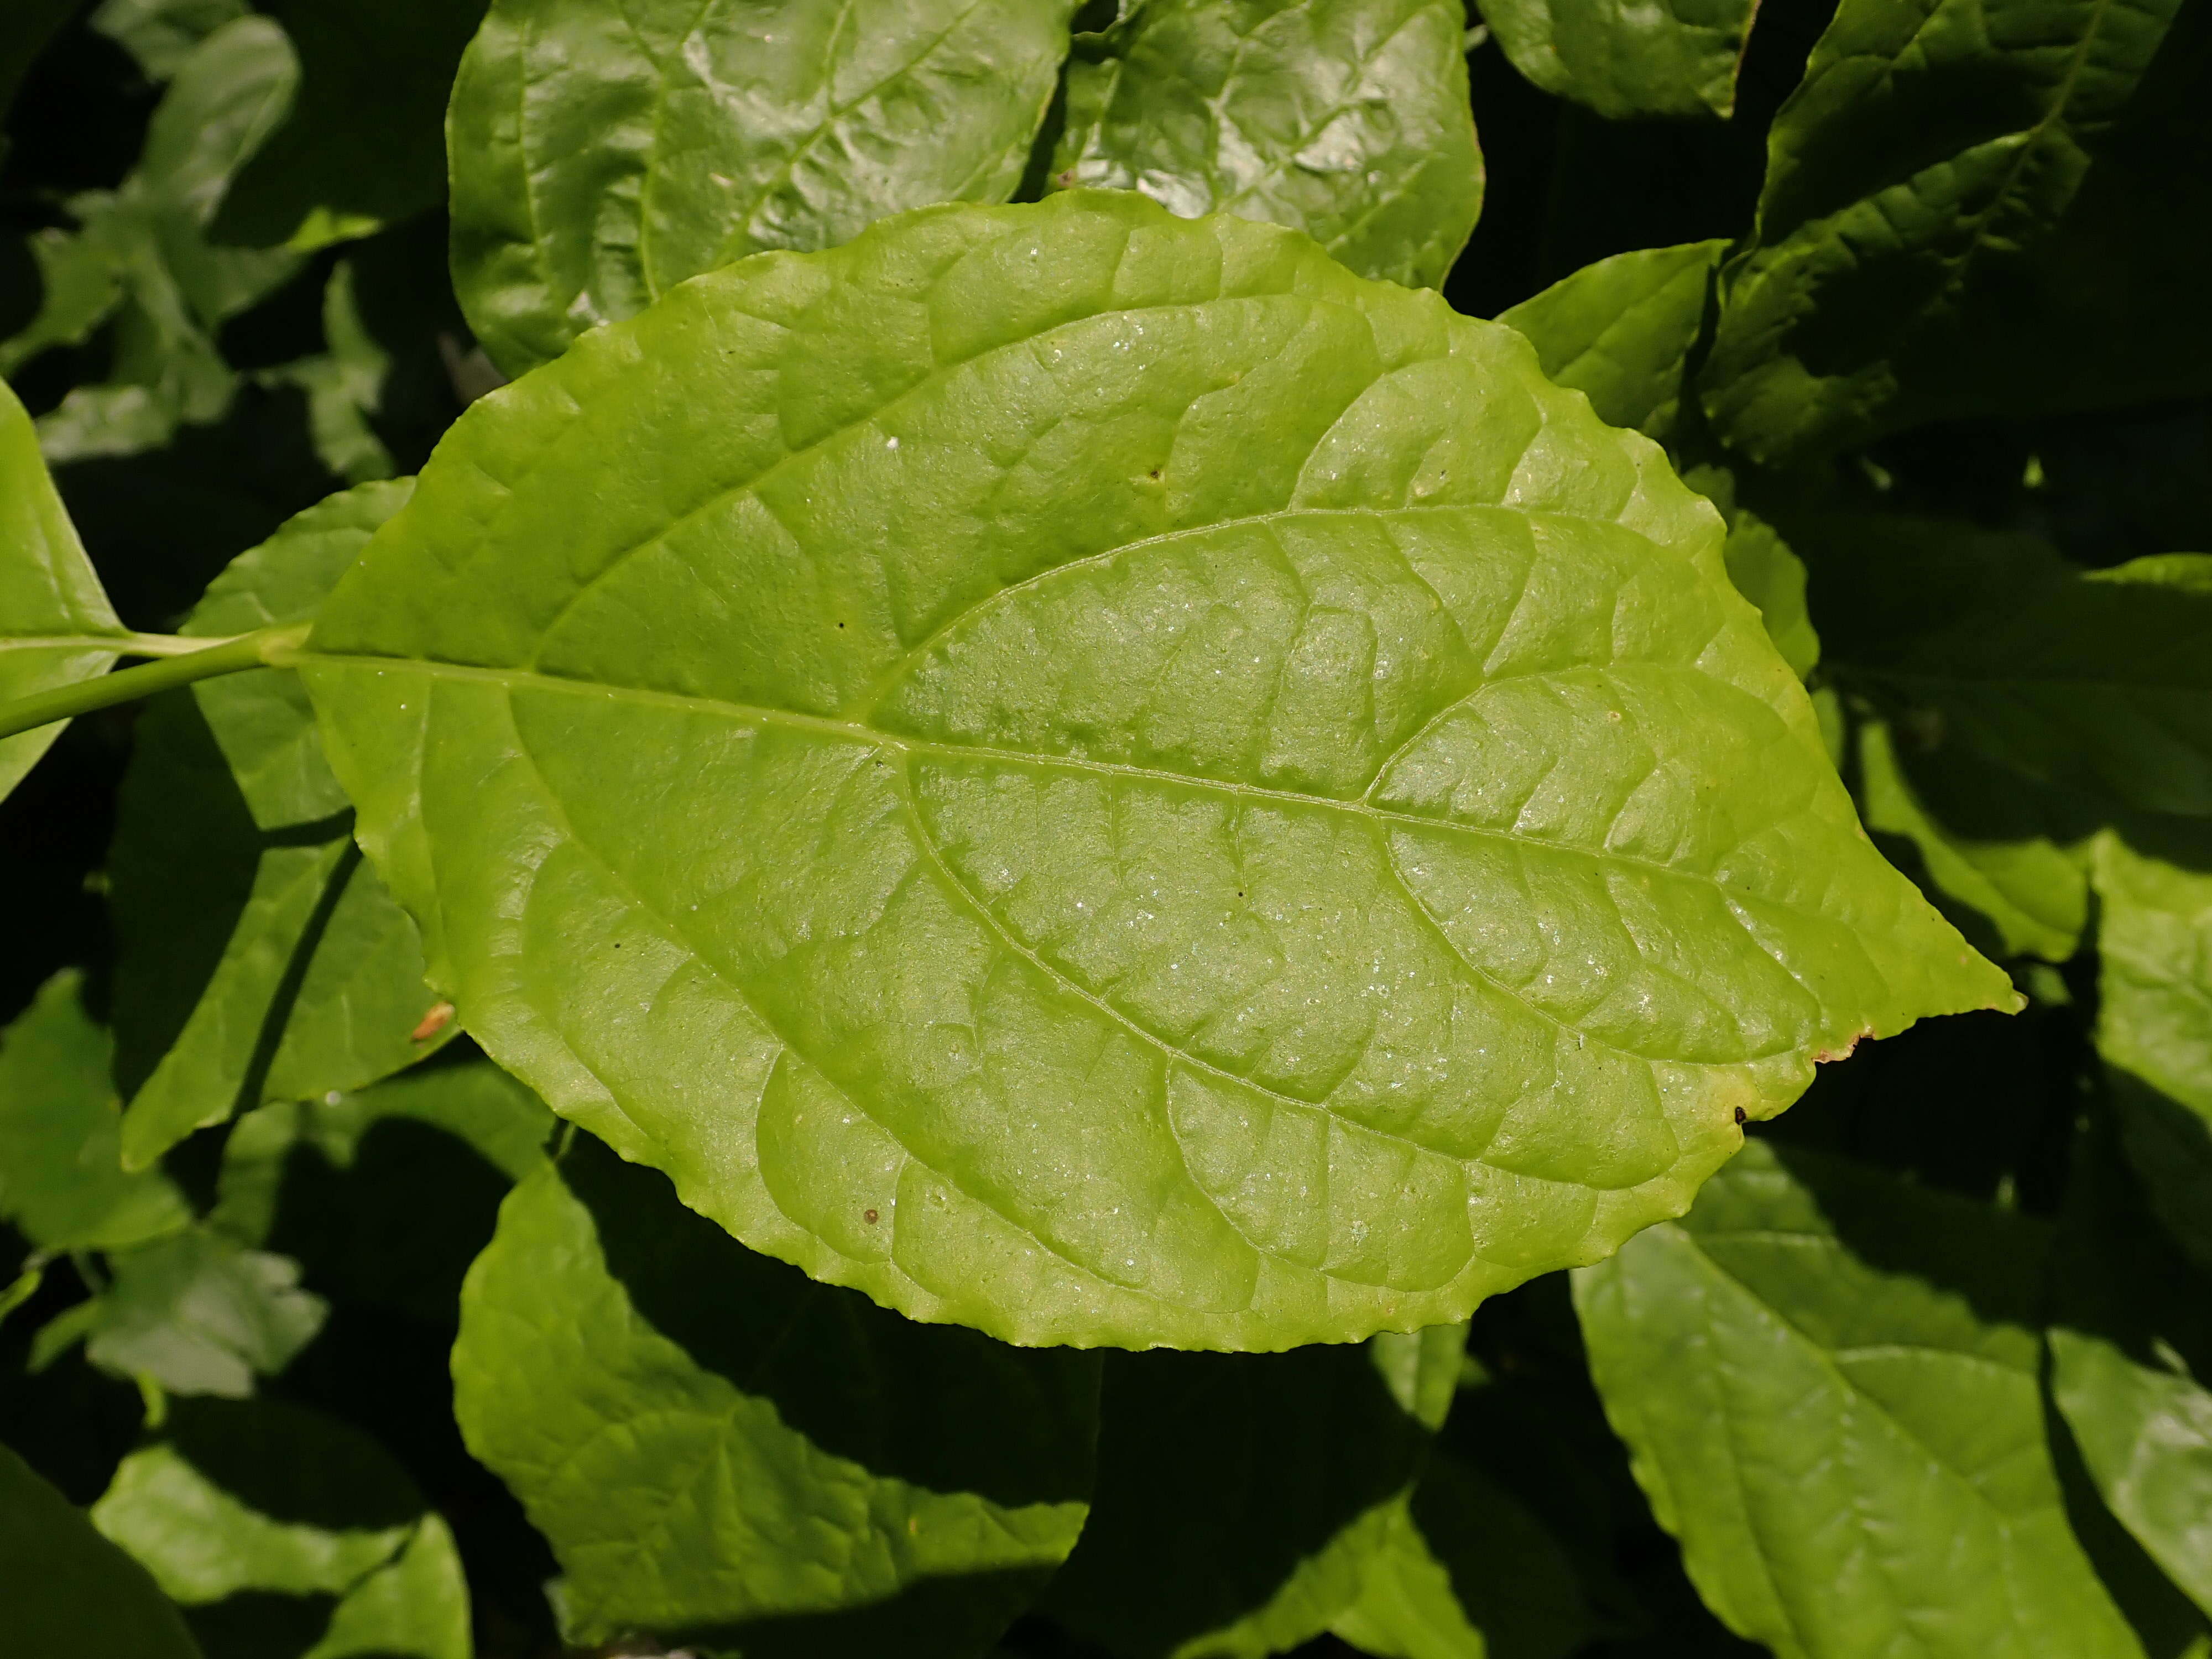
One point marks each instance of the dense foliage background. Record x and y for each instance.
(1922, 1372)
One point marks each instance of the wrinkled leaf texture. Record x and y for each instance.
(1679, 58)
(1097, 776)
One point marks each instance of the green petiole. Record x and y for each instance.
(180, 664)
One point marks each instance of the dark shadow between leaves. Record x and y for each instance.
(2170, 1147)
(938, 1405)
(961, 1615)
(293, 1465)
(261, 1624)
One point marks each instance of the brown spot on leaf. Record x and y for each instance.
(869, 1216)
(1739, 1117)
(440, 1015)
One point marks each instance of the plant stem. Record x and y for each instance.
(265, 648)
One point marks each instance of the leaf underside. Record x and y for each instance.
(1097, 776)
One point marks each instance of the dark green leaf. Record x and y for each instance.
(1621, 331)
(162, 34)
(70, 1591)
(599, 158)
(1347, 119)
(1763, 569)
(259, 1515)
(1678, 58)
(1952, 182)
(725, 1453)
(62, 1181)
(1198, 789)
(1828, 1382)
(259, 958)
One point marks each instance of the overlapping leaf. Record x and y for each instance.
(1347, 119)
(259, 958)
(1677, 59)
(1818, 1371)
(1953, 178)
(1177, 795)
(724, 1454)
(69, 1589)
(278, 1530)
(599, 159)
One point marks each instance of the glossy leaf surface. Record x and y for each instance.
(1818, 1368)
(1951, 178)
(599, 158)
(260, 959)
(724, 1454)
(263, 1518)
(1347, 119)
(62, 1181)
(1269, 824)
(69, 1589)
(1625, 61)
(52, 609)
(1621, 330)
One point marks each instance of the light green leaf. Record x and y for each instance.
(2131, 1348)
(238, 1504)
(80, 275)
(162, 34)
(344, 386)
(599, 159)
(2155, 1023)
(1624, 61)
(1270, 826)
(1989, 846)
(62, 1181)
(1954, 178)
(389, 1193)
(1347, 119)
(195, 1314)
(52, 609)
(259, 959)
(70, 1591)
(1621, 329)
(1819, 1370)
(724, 1454)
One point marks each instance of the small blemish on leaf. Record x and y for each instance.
(1154, 474)
(440, 1015)
(869, 1216)
(1739, 1117)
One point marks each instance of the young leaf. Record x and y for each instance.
(259, 958)
(1347, 119)
(248, 1512)
(385, 70)
(2131, 1344)
(195, 1313)
(53, 612)
(1198, 790)
(1621, 330)
(1818, 1371)
(599, 160)
(62, 1181)
(1948, 183)
(2155, 1023)
(69, 1589)
(724, 1454)
(1627, 61)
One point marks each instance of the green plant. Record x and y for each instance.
(942, 882)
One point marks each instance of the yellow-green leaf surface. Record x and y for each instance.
(259, 1517)
(1621, 329)
(1679, 58)
(53, 610)
(1819, 1370)
(259, 958)
(728, 1456)
(599, 157)
(1347, 119)
(69, 1590)
(62, 1181)
(1951, 178)
(1096, 775)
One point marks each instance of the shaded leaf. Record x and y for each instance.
(52, 610)
(263, 1518)
(1347, 119)
(259, 959)
(69, 1589)
(62, 1181)
(725, 1453)
(599, 160)
(1621, 331)
(162, 34)
(1952, 179)
(1763, 569)
(1624, 61)
(1820, 1359)
(1269, 827)
(195, 1313)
